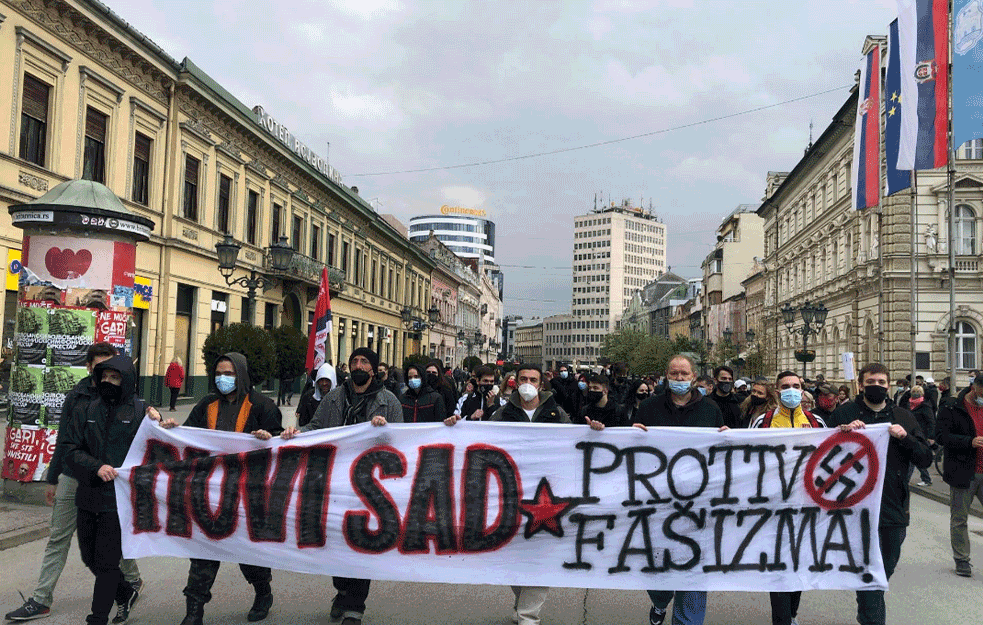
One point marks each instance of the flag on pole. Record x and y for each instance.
(317, 344)
(867, 136)
(897, 179)
(923, 43)
(967, 71)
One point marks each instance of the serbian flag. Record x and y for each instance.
(867, 137)
(897, 179)
(317, 344)
(923, 44)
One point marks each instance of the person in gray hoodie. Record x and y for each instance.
(361, 398)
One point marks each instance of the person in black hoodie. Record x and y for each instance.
(99, 435)
(723, 395)
(439, 382)
(907, 446)
(565, 390)
(421, 404)
(619, 383)
(482, 401)
(679, 406)
(233, 406)
(600, 407)
(919, 406)
(324, 381)
(960, 431)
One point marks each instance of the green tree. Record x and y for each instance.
(420, 360)
(618, 346)
(291, 352)
(253, 342)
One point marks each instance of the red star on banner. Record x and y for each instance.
(545, 510)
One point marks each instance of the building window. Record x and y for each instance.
(34, 120)
(224, 201)
(972, 149)
(965, 345)
(315, 241)
(94, 158)
(276, 218)
(297, 232)
(252, 210)
(331, 244)
(191, 172)
(344, 257)
(965, 230)
(141, 169)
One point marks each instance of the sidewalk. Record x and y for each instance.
(23, 522)
(939, 491)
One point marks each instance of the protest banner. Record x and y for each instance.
(520, 504)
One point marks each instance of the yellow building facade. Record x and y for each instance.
(90, 97)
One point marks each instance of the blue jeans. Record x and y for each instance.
(690, 606)
(870, 603)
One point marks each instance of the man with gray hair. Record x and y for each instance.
(680, 406)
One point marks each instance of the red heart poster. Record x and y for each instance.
(77, 262)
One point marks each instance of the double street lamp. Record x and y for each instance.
(413, 321)
(281, 255)
(813, 319)
(478, 339)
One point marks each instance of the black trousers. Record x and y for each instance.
(203, 572)
(784, 607)
(174, 394)
(352, 594)
(870, 603)
(101, 548)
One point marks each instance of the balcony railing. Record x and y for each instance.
(306, 269)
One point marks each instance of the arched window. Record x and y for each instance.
(965, 345)
(965, 230)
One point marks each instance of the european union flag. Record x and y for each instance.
(896, 179)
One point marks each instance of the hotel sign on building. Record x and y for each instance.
(284, 136)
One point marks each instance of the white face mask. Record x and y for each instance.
(527, 391)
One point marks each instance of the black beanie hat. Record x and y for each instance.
(370, 355)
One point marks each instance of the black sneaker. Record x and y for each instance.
(123, 609)
(656, 617)
(29, 611)
(137, 589)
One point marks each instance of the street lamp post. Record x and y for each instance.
(813, 319)
(281, 254)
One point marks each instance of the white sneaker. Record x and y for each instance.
(515, 617)
(921, 484)
(794, 621)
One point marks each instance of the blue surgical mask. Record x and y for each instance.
(702, 390)
(564, 374)
(791, 398)
(414, 383)
(225, 383)
(679, 387)
(978, 400)
(582, 385)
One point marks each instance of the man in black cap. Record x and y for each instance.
(360, 398)
(233, 406)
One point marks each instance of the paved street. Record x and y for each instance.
(924, 590)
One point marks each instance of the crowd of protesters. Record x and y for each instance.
(102, 414)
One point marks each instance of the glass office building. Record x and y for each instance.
(468, 237)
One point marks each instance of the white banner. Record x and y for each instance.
(520, 504)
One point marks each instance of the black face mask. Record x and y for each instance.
(360, 378)
(724, 387)
(757, 401)
(380, 375)
(875, 394)
(594, 396)
(641, 396)
(621, 380)
(112, 393)
(486, 388)
(431, 379)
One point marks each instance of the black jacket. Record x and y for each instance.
(955, 432)
(83, 393)
(565, 392)
(423, 405)
(611, 415)
(90, 443)
(926, 418)
(306, 407)
(449, 396)
(548, 411)
(901, 454)
(661, 411)
(730, 408)
(264, 415)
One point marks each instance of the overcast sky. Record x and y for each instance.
(396, 86)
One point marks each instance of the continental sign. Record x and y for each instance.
(460, 210)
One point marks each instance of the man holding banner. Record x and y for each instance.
(907, 446)
(234, 407)
(682, 406)
(360, 398)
